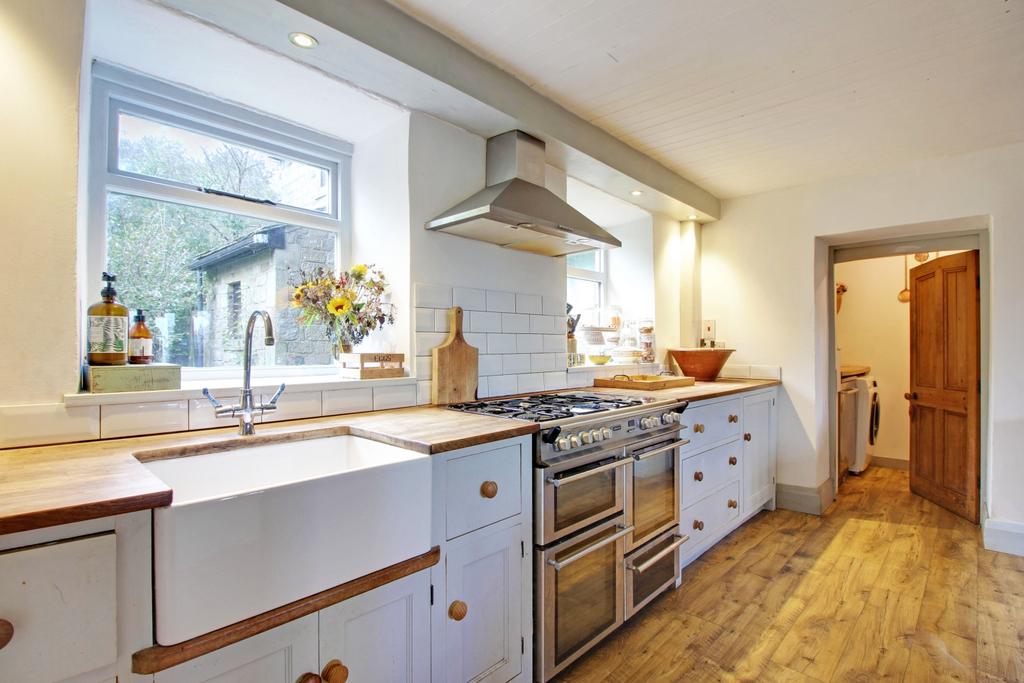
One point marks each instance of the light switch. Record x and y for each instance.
(708, 330)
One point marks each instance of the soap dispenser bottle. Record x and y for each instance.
(107, 328)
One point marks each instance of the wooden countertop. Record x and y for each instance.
(847, 371)
(50, 485)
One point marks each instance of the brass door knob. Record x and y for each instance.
(334, 672)
(698, 428)
(6, 632)
(698, 476)
(698, 525)
(732, 503)
(734, 418)
(910, 396)
(489, 489)
(458, 610)
(746, 437)
(309, 678)
(732, 460)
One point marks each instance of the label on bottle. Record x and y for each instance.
(140, 348)
(107, 334)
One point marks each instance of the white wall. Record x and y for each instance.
(765, 281)
(873, 328)
(631, 269)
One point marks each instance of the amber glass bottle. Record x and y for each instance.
(107, 328)
(140, 340)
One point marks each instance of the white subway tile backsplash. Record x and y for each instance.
(555, 380)
(423, 367)
(45, 423)
(765, 372)
(548, 362)
(554, 305)
(441, 320)
(529, 303)
(489, 365)
(425, 341)
(470, 299)
(132, 419)
(554, 343)
(578, 380)
(423, 393)
(342, 401)
(481, 321)
(515, 363)
(529, 343)
(501, 343)
(502, 385)
(502, 302)
(432, 296)
(482, 388)
(394, 396)
(731, 370)
(531, 382)
(477, 340)
(425, 319)
(542, 324)
(515, 322)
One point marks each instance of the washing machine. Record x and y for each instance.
(869, 417)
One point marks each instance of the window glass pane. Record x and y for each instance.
(199, 273)
(164, 151)
(585, 297)
(586, 260)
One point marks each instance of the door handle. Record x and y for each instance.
(623, 531)
(910, 395)
(589, 473)
(671, 447)
(641, 568)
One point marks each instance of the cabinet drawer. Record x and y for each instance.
(712, 423)
(61, 599)
(702, 520)
(481, 489)
(708, 471)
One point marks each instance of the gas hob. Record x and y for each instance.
(548, 407)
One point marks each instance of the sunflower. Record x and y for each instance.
(339, 305)
(297, 296)
(359, 271)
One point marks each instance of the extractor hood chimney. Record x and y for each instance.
(516, 211)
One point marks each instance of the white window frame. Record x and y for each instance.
(599, 276)
(115, 90)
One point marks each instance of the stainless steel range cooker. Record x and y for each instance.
(606, 512)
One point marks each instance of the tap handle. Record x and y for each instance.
(273, 399)
(209, 397)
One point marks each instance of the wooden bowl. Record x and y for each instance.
(703, 365)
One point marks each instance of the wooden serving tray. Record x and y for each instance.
(644, 382)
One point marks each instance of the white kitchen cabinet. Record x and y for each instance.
(483, 632)
(280, 655)
(383, 635)
(759, 451)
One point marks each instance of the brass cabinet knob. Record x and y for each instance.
(6, 632)
(734, 418)
(746, 437)
(732, 460)
(458, 610)
(334, 672)
(698, 476)
(732, 503)
(309, 678)
(698, 525)
(489, 489)
(698, 428)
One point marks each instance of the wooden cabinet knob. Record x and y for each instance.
(698, 476)
(734, 418)
(698, 428)
(309, 678)
(334, 672)
(698, 525)
(732, 503)
(6, 632)
(489, 489)
(458, 610)
(732, 460)
(746, 437)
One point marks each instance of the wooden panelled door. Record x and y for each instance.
(945, 386)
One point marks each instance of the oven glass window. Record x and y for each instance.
(654, 493)
(583, 499)
(657, 575)
(585, 595)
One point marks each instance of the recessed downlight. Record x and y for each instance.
(637, 193)
(303, 40)
(692, 216)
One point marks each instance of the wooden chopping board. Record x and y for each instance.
(454, 364)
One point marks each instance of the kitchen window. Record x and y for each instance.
(204, 211)
(586, 283)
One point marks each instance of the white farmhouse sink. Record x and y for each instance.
(260, 526)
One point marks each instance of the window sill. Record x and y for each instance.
(625, 368)
(191, 389)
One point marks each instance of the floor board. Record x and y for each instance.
(884, 586)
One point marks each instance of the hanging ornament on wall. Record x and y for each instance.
(904, 295)
(922, 257)
(840, 290)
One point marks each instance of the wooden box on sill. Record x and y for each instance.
(108, 379)
(371, 365)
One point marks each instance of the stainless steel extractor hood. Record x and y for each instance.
(516, 211)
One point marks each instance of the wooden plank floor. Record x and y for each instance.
(884, 587)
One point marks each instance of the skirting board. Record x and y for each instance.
(1004, 536)
(813, 500)
(891, 463)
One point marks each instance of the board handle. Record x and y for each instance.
(455, 316)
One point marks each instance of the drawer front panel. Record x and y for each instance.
(712, 423)
(702, 520)
(706, 472)
(481, 489)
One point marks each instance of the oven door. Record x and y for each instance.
(577, 494)
(653, 487)
(579, 599)
(651, 570)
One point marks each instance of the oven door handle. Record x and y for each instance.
(656, 451)
(623, 531)
(589, 473)
(641, 568)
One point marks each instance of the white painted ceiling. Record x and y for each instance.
(742, 96)
(604, 209)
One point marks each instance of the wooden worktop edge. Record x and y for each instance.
(81, 512)
(161, 657)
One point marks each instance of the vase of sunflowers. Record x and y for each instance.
(350, 304)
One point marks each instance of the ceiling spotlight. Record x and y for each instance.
(637, 193)
(303, 40)
(692, 217)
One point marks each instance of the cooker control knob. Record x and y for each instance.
(648, 422)
(668, 418)
(562, 444)
(606, 433)
(574, 441)
(596, 435)
(586, 437)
